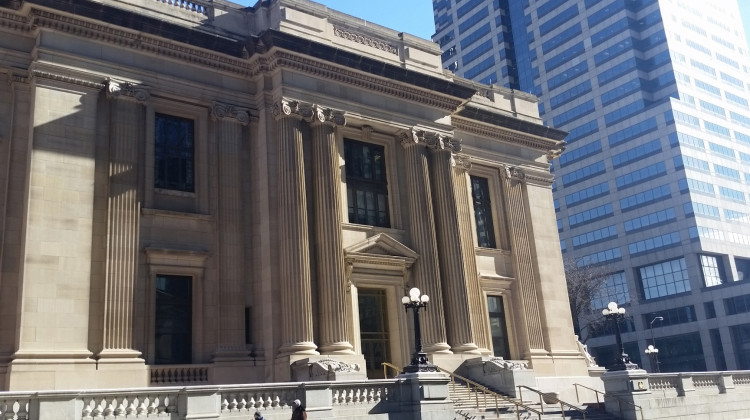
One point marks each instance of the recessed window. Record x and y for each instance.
(173, 318)
(174, 153)
(498, 327)
(480, 193)
(664, 279)
(366, 183)
(713, 270)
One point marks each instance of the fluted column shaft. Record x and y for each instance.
(525, 286)
(297, 327)
(426, 274)
(459, 328)
(123, 224)
(232, 308)
(465, 209)
(334, 327)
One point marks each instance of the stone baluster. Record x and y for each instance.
(525, 285)
(123, 218)
(334, 328)
(453, 262)
(297, 326)
(426, 273)
(229, 121)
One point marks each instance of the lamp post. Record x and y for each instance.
(419, 362)
(616, 314)
(652, 351)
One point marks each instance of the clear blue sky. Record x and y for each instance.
(415, 16)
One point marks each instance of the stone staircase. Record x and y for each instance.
(472, 405)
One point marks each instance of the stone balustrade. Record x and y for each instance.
(203, 7)
(179, 375)
(384, 399)
(662, 396)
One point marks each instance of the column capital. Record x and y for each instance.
(514, 173)
(462, 163)
(127, 90)
(330, 116)
(441, 142)
(226, 111)
(291, 108)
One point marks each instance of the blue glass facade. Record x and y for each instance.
(655, 97)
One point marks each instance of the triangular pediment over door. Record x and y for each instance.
(380, 252)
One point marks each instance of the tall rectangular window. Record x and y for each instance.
(713, 270)
(741, 342)
(174, 153)
(480, 193)
(498, 327)
(173, 319)
(366, 183)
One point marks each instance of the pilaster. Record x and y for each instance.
(525, 284)
(426, 274)
(297, 327)
(126, 135)
(229, 122)
(334, 328)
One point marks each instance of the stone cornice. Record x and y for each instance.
(261, 59)
(42, 74)
(552, 148)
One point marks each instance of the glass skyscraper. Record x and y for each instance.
(655, 182)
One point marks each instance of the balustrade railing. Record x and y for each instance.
(346, 394)
(15, 407)
(151, 403)
(179, 375)
(203, 7)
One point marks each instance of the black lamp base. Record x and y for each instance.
(420, 363)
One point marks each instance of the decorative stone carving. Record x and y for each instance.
(365, 40)
(497, 364)
(462, 163)
(440, 141)
(126, 89)
(336, 366)
(367, 132)
(584, 350)
(409, 138)
(220, 111)
(287, 108)
(514, 173)
(327, 115)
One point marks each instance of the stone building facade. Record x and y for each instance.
(200, 192)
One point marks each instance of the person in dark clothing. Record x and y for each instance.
(298, 411)
(258, 416)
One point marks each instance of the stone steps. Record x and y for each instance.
(472, 406)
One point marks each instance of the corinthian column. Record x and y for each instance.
(229, 121)
(424, 241)
(123, 218)
(458, 267)
(297, 326)
(525, 286)
(334, 327)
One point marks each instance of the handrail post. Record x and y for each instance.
(578, 399)
(541, 403)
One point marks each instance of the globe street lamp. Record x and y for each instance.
(419, 362)
(617, 314)
(653, 353)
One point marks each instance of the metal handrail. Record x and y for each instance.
(486, 391)
(388, 365)
(541, 394)
(619, 401)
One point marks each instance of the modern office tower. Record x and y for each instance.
(655, 182)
